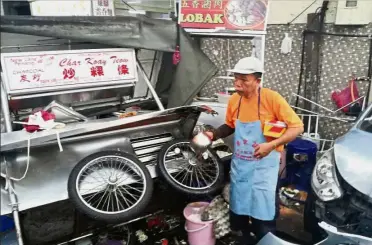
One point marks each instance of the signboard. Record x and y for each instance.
(237, 15)
(61, 8)
(72, 8)
(62, 70)
(103, 8)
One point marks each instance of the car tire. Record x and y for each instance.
(115, 216)
(212, 188)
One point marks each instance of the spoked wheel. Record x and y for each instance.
(110, 186)
(189, 171)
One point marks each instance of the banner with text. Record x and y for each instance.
(72, 8)
(103, 8)
(246, 15)
(58, 70)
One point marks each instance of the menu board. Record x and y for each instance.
(28, 72)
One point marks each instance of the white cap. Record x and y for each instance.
(248, 65)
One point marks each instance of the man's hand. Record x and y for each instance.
(262, 150)
(209, 134)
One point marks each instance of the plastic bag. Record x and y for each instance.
(346, 96)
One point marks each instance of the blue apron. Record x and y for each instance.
(253, 181)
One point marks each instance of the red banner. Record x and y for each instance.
(228, 14)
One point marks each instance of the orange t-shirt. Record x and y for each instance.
(273, 107)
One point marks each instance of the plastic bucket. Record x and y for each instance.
(198, 232)
(300, 162)
(6, 223)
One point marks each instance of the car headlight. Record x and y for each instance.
(324, 179)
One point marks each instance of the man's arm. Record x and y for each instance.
(223, 131)
(283, 112)
(289, 135)
(264, 149)
(227, 128)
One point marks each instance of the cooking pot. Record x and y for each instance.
(201, 142)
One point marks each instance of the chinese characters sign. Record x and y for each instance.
(72, 8)
(45, 71)
(247, 15)
(61, 8)
(103, 8)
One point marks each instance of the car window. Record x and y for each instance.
(366, 123)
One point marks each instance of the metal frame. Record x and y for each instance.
(122, 224)
(37, 95)
(5, 96)
(9, 182)
(325, 108)
(324, 144)
(313, 117)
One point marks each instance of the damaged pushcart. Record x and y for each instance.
(86, 123)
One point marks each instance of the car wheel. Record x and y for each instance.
(110, 186)
(188, 172)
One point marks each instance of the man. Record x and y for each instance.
(255, 164)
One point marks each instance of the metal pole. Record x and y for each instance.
(5, 109)
(14, 204)
(12, 195)
(44, 45)
(263, 41)
(149, 85)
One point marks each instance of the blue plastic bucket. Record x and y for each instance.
(300, 162)
(6, 223)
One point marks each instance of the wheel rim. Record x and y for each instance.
(189, 170)
(111, 184)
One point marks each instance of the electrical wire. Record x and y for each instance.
(301, 68)
(369, 74)
(28, 157)
(336, 34)
(295, 18)
(131, 7)
(128, 5)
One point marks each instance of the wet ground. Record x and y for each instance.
(290, 222)
(51, 223)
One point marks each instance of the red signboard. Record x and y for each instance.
(248, 15)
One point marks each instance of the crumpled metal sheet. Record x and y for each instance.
(123, 31)
(19, 139)
(181, 83)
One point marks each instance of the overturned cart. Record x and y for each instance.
(113, 135)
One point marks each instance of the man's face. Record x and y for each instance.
(246, 85)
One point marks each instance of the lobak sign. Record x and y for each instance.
(45, 71)
(249, 15)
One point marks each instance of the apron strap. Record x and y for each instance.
(259, 104)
